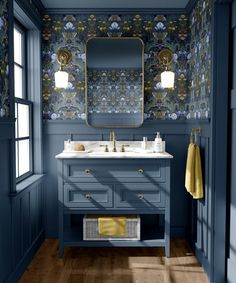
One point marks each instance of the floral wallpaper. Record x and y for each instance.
(114, 91)
(187, 37)
(4, 93)
(200, 60)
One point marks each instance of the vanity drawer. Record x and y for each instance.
(136, 195)
(119, 169)
(88, 195)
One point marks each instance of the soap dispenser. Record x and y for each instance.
(158, 143)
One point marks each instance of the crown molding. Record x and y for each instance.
(114, 11)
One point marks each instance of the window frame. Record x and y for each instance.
(24, 101)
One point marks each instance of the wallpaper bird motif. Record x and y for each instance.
(4, 67)
(188, 37)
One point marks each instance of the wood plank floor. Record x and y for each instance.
(115, 265)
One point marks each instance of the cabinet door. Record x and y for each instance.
(136, 195)
(96, 196)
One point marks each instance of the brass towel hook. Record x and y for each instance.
(195, 132)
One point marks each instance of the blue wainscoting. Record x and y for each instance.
(176, 135)
(21, 214)
(27, 227)
(6, 251)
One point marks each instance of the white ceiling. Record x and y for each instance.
(103, 4)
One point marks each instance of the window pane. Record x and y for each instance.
(17, 169)
(23, 120)
(24, 162)
(18, 81)
(16, 123)
(17, 47)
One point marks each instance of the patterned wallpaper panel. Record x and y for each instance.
(189, 41)
(4, 93)
(157, 32)
(200, 60)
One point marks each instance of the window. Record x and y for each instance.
(23, 107)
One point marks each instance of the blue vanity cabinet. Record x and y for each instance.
(114, 186)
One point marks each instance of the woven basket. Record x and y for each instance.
(90, 229)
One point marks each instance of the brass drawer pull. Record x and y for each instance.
(88, 196)
(87, 171)
(140, 196)
(140, 171)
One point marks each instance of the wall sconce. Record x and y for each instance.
(165, 57)
(64, 57)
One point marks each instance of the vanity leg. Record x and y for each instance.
(167, 248)
(167, 210)
(167, 232)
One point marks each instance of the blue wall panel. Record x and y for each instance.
(21, 215)
(5, 212)
(232, 233)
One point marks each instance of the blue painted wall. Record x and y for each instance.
(232, 225)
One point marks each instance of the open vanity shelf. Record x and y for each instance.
(152, 235)
(120, 186)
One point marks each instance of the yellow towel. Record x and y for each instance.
(112, 226)
(198, 190)
(193, 174)
(190, 169)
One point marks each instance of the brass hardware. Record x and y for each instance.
(87, 171)
(140, 196)
(88, 196)
(141, 171)
(165, 56)
(106, 147)
(123, 147)
(113, 140)
(195, 132)
(64, 56)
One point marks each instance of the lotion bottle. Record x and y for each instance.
(158, 143)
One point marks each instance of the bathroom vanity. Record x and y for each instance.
(113, 183)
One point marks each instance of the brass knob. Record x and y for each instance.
(87, 171)
(140, 196)
(88, 196)
(140, 171)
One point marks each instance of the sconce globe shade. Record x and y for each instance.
(167, 79)
(61, 79)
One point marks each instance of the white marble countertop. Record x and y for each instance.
(94, 150)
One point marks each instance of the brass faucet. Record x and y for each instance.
(113, 140)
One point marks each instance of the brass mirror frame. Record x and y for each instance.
(86, 83)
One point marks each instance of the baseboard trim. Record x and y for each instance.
(24, 262)
(231, 271)
(204, 261)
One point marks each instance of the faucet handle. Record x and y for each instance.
(106, 147)
(123, 147)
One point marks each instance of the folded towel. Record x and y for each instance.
(190, 169)
(198, 190)
(112, 226)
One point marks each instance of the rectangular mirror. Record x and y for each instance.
(114, 82)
